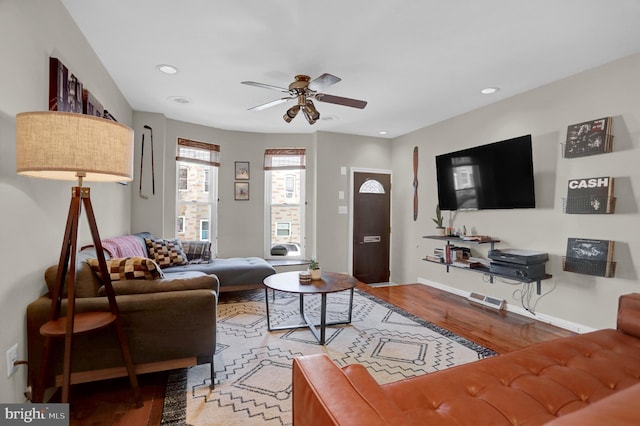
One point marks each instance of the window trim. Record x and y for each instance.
(206, 155)
(295, 163)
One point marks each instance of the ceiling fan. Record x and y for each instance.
(303, 89)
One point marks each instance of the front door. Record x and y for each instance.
(371, 226)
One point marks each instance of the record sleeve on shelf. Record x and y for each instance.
(589, 138)
(590, 257)
(590, 196)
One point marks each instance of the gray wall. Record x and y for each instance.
(336, 151)
(34, 211)
(611, 90)
(240, 223)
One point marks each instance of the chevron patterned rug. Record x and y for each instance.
(253, 366)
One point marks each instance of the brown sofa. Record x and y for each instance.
(170, 323)
(587, 379)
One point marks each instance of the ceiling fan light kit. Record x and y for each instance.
(310, 112)
(304, 90)
(291, 113)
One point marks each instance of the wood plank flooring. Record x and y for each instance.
(501, 331)
(110, 402)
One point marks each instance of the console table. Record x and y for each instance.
(331, 282)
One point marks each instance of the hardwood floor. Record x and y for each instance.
(501, 331)
(110, 402)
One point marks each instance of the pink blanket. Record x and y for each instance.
(124, 246)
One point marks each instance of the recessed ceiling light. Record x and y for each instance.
(489, 90)
(328, 117)
(167, 69)
(383, 132)
(179, 99)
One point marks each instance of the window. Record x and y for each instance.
(284, 201)
(289, 185)
(283, 229)
(204, 230)
(183, 178)
(371, 186)
(197, 182)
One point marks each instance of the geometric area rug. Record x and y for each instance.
(253, 366)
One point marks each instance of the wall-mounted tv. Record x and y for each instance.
(494, 176)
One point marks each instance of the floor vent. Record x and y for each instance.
(491, 302)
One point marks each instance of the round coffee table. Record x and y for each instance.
(331, 282)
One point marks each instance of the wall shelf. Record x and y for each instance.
(482, 269)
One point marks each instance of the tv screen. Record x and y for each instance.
(494, 176)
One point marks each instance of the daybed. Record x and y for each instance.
(587, 379)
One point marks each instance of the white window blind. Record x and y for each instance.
(284, 159)
(198, 152)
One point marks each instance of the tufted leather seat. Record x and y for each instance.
(532, 386)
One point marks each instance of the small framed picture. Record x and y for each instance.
(242, 170)
(241, 191)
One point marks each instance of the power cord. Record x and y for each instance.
(523, 294)
(526, 293)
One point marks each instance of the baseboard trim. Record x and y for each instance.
(548, 319)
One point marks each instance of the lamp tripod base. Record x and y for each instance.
(73, 323)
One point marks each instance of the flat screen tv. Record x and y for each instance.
(494, 176)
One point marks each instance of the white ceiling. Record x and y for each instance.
(416, 62)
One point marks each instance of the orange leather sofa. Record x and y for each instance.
(585, 379)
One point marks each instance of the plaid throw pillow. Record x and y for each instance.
(197, 251)
(166, 252)
(129, 268)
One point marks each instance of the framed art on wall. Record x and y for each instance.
(242, 170)
(241, 191)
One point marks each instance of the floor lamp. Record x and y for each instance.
(69, 146)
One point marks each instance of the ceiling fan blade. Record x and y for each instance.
(266, 86)
(270, 104)
(353, 103)
(323, 81)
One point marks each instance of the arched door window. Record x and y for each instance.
(371, 186)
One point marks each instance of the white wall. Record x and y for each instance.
(611, 90)
(34, 211)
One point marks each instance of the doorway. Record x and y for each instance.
(371, 226)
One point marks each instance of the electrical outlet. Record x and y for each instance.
(12, 356)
